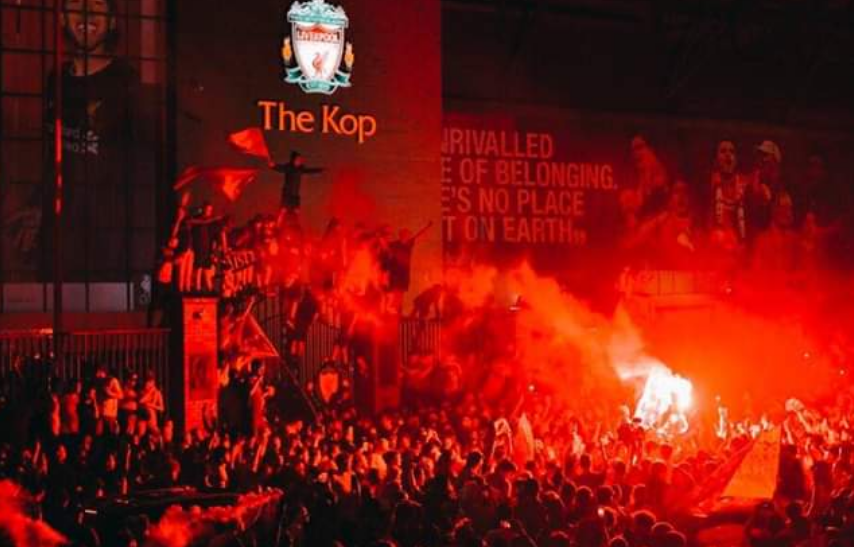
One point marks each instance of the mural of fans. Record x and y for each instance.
(817, 211)
(776, 248)
(669, 239)
(651, 177)
(728, 222)
(765, 182)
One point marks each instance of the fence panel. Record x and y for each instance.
(418, 337)
(140, 351)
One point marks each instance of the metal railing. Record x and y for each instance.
(419, 337)
(415, 336)
(140, 351)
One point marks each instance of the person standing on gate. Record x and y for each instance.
(293, 171)
(398, 266)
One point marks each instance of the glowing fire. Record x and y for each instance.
(665, 399)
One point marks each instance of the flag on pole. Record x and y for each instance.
(228, 180)
(250, 141)
(256, 344)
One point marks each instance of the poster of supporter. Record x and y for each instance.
(110, 88)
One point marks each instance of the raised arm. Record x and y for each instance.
(422, 231)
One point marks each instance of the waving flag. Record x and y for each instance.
(228, 180)
(250, 141)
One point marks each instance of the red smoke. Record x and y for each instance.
(23, 530)
(347, 199)
(360, 283)
(180, 527)
(518, 328)
(760, 343)
(755, 337)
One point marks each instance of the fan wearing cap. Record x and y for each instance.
(765, 184)
(293, 171)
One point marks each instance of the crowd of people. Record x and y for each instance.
(465, 472)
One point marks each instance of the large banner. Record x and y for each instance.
(517, 188)
(583, 195)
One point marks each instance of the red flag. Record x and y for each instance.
(233, 181)
(255, 344)
(228, 180)
(250, 141)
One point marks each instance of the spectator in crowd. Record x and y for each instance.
(181, 236)
(128, 405)
(204, 232)
(90, 411)
(110, 393)
(151, 404)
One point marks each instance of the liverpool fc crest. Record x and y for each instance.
(324, 61)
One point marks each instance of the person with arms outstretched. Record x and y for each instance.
(293, 171)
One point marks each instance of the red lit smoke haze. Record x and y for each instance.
(762, 341)
(20, 528)
(181, 527)
(347, 199)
